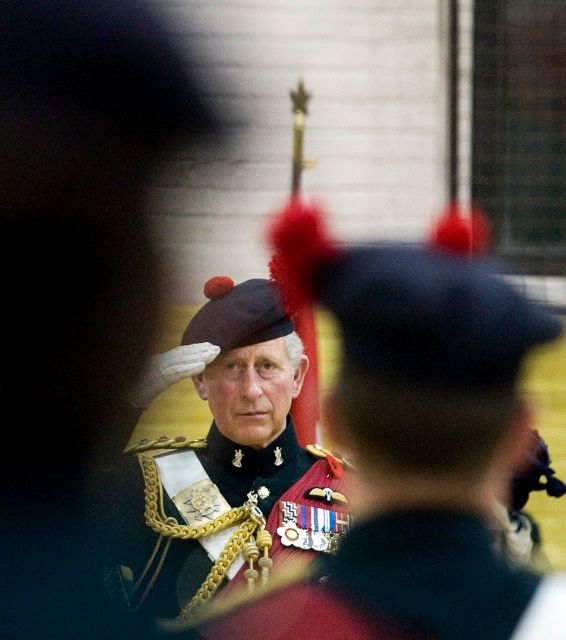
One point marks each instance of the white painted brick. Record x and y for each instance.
(363, 6)
(395, 114)
(323, 83)
(253, 204)
(265, 52)
(376, 127)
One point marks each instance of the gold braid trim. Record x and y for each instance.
(219, 569)
(171, 528)
(289, 574)
(320, 452)
(163, 442)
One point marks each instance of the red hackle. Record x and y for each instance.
(279, 274)
(301, 244)
(462, 230)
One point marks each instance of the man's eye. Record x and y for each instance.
(231, 370)
(267, 369)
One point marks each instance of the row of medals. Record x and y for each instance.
(324, 541)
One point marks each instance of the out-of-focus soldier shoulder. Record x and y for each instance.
(158, 445)
(220, 610)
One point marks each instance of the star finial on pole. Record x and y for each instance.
(300, 99)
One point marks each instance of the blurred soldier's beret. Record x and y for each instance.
(239, 315)
(424, 314)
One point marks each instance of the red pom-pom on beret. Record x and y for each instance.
(461, 230)
(217, 287)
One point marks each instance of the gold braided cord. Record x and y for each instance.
(170, 527)
(163, 442)
(148, 564)
(292, 572)
(213, 580)
(155, 575)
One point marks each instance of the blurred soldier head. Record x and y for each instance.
(433, 344)
(93, 93)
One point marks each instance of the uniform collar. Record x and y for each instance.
(454, 574)
(419, 531)
(247, 461)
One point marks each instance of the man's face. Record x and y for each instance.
(250, 390)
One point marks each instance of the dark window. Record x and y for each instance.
(519, 129)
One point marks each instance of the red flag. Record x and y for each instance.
(305, 408)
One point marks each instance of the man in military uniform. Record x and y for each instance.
(235, 505)
(427, 401)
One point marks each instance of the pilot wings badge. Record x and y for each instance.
(326, 494)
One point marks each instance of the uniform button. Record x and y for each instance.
(323, 580)
(263, 492)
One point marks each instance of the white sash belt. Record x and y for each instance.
(181, 475)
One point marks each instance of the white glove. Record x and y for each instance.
(169, 367)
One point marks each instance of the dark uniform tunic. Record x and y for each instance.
(434, 573)
(126, 540)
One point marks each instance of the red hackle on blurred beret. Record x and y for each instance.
(217, 287)
(462, 230)
(292, 302)
(302, 244)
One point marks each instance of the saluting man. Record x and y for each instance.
(236, 504)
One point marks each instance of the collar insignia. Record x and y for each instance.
(238, 455)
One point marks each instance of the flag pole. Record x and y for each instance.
(305, 409)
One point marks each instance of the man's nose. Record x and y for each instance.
(251, 384)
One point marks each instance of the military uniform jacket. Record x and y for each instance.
(420, 575)
(123, 537)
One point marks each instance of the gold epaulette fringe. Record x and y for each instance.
(320, 452)
(164, 442)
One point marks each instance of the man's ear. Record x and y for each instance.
(200, 386)
(299, 376)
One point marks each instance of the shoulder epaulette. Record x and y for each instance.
(320, 452)
(163, 442)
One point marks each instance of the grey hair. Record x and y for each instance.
(295, 348)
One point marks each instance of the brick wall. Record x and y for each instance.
(376, 128)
